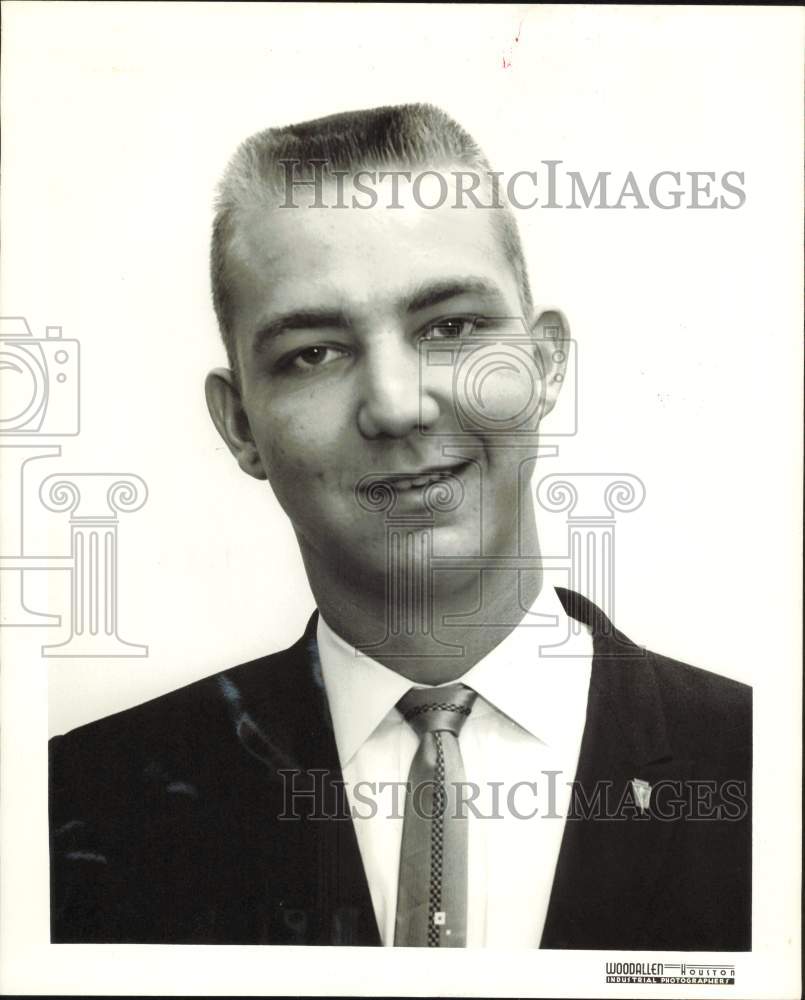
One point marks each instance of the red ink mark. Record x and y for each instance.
(507, 62)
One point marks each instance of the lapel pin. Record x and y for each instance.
(642, 793)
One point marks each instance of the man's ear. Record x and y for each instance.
(229, 417)
(551, 333)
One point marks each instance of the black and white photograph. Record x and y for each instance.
(401, 493)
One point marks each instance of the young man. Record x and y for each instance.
(417, 769)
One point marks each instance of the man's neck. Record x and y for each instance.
(428, 641)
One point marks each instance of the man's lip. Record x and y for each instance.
(423, 477)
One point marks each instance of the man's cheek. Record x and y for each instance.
(498, 390)
(301, 468)
(283, 439)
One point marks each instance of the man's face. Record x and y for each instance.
(337, 313)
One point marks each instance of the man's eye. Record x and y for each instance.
(450, 329)
(310, 358)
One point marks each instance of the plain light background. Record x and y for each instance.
(118, 120)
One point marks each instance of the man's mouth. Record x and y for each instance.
(425, 477)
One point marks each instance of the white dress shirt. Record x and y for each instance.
(527, 722)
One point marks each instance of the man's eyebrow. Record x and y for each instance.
(423, 297)
(299, 319)
(440, 291)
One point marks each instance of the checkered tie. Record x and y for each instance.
(432, 892)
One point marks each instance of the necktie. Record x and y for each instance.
(432, 891)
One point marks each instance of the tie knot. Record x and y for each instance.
(432, 710)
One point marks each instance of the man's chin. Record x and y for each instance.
(456, 540)
(406, 549)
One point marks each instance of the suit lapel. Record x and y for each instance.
(612, 854)
(283, 721)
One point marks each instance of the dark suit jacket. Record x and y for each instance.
(166, 819)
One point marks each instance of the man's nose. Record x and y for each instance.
(394, 398)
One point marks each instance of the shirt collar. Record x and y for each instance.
(534, 689)
(540, 692)
(360, 691)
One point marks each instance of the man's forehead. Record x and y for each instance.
(339, 208)
(360, 252)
